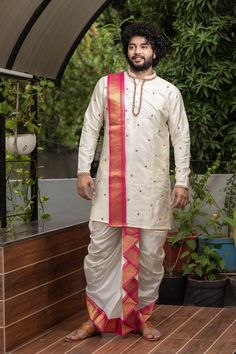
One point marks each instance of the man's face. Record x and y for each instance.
(140, 54)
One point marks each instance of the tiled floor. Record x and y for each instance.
(185, 330)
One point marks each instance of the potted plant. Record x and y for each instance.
(206, 283)
(219, 229)
(21, 127)
(16, 108)
(187, 229)
(172, 288)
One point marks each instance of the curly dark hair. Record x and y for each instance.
(148, 31)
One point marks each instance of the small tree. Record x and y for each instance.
(201, 64)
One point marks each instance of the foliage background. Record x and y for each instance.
(200, 61)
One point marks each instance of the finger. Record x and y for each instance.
(83, 192)
(173, 198)
(183, 203)
(92, 186)
(180, 202)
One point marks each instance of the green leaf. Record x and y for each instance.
(45, 216)
(222, 265)
(185, 254)
(192, 244)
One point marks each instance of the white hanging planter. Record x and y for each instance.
(21, 144)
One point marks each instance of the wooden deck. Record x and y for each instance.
(185, 329)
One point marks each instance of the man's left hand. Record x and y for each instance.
(179, 197)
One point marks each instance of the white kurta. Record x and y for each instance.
(162, 116)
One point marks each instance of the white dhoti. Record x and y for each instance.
(104, 268)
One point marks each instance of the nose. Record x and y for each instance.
(137, 49)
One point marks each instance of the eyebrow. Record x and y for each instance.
(131, 43)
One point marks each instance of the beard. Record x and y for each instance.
(140, 67)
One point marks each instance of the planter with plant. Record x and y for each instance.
(204, 270)
(17, 108)
(187, 229)
(219, 231)
(21, 129)
(173, 286)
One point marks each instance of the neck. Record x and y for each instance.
(142, 74)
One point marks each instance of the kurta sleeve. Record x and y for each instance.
(93, 122)
(180, 138)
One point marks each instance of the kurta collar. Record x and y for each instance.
(146, 78)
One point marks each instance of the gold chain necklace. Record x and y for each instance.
(141, 93)
(140, 98)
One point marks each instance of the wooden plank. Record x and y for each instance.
(82, 347)
(1, 259)
(27, 303)
(215, 328)
(65, 308)
(223, 347)
(196, 324)
(1, 314)
(211, 333)
(38, 274)
(170, 324)
(2, 349)
(120, 343)
(85, 346)
(226, 343)
(32, 326)
(93, 344)
(1, 286)
(196, 346)
(182, 335)
(31, 251)
(25, 329)
(53, 336)
(169, 346)
(174, 337)
(117, 345)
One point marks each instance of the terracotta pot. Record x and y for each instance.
(172, 260)
(22, 144)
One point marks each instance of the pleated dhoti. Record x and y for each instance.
(123, 276)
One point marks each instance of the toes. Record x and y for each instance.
(75, 336)
(149, 336)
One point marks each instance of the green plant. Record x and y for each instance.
(202, 51)
(222, 222)
(19, 184)
(17, 100)
(185, 219)
(205, 266)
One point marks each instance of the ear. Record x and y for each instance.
(154, 55)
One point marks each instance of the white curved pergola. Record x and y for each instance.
(39, 36)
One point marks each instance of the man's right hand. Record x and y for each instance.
(85, 186)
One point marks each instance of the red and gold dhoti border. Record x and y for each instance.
(130, 319)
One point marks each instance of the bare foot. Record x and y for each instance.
(86, 330)
(150, 332)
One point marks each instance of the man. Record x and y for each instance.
(131, 200)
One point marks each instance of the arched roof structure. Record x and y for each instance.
(39, 36)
